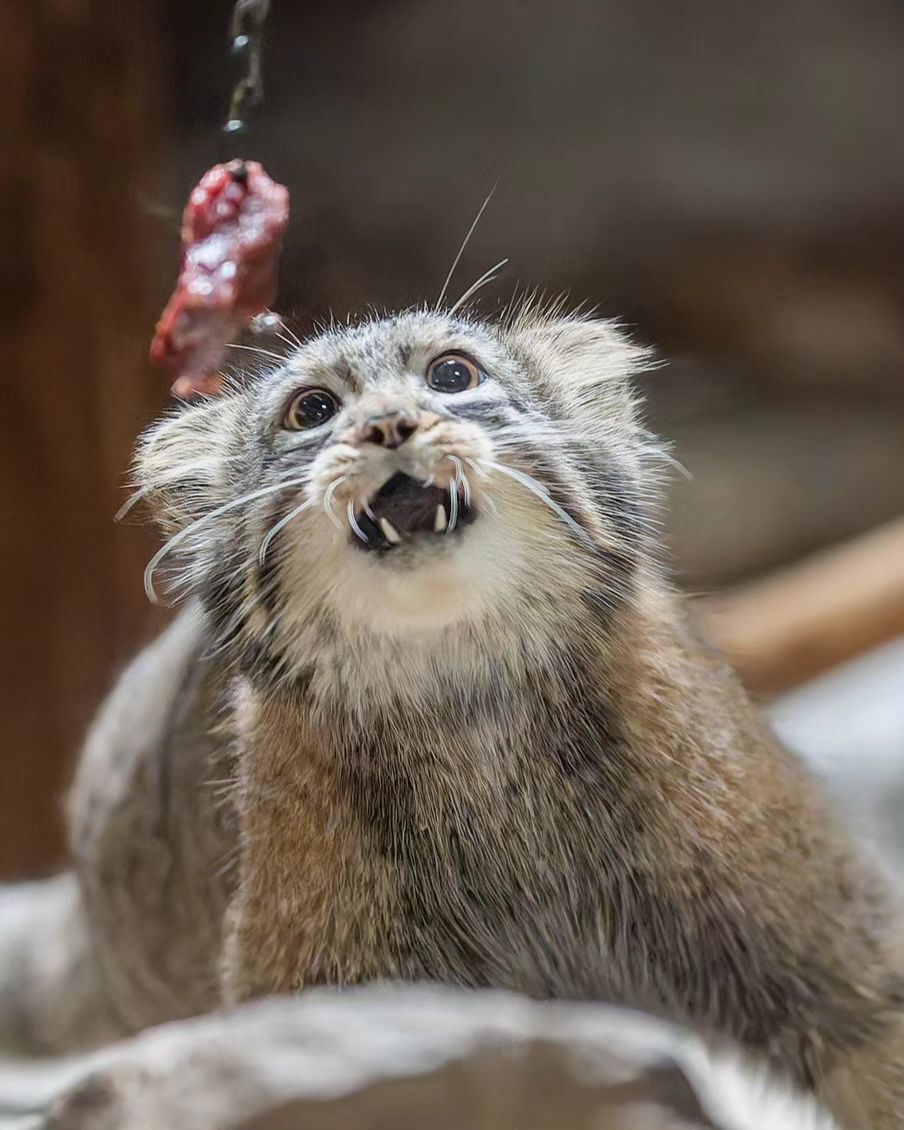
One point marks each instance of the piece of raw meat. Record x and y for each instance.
(232, 231)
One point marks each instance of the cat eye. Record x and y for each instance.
(309, 409)
(453, 372)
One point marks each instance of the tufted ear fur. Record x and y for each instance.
(584, 362)
(186, 464)
(583, 367)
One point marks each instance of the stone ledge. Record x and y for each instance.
(399, 1058)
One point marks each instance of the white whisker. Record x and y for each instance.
(286, 341)
(544, 496)
(280, 525)
(461, 477)
(353, 522)
(288, 335)
(466, 488)
(465, 242)
(671, 461)
(132, 501)
(180, 537)
(261, 352)
(328, 502)
(184, 471)
(485, 278)
(453, 506)
(478, 470)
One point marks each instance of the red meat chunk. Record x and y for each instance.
(232, 231)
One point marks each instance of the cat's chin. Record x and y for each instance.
(429, 582)
(418, 587)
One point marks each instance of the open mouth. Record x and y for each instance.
(403, 508)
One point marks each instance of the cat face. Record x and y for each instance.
(409, 474)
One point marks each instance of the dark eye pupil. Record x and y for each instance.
(451, 376)
(314, 408)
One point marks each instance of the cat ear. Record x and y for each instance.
(587, 362)
(185, 465)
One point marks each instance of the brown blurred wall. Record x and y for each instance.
(79, 130)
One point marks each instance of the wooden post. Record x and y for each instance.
(782, 630)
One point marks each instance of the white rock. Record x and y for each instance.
(401, 1058)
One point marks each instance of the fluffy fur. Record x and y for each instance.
(494, 758)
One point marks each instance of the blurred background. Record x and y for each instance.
(726, 178)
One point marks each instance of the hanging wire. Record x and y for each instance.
(246, 30)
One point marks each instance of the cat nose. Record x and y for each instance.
(389, 430)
